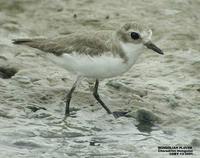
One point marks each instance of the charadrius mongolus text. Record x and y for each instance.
(96, 55)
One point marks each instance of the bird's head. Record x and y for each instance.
(135, 34)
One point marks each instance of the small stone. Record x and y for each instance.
(35, 108)
(75, 16)
(107, 17)
(59, 9)
(93, 143)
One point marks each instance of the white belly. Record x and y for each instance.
(92, 67)
(100, 67)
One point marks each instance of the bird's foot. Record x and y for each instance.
(65, 117)
(118, 114)
(71, 114)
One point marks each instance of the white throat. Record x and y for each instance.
(132, 51)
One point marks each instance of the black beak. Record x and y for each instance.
(153, 47)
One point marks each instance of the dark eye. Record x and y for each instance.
(135, 35)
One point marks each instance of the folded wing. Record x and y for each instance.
(89, 44)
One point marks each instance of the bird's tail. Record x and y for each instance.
(21, 41)
(38, 43)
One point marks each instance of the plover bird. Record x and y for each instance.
(96, 55)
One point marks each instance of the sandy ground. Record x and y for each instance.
(161, 93)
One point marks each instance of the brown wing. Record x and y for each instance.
(91, 44)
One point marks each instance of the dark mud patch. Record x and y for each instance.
(7, 73)
(35, 108)
(146, 120)
(26, 144)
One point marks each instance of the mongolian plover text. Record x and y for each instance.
(96, 55)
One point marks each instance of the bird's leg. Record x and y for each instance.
(69, 96)
(116, 114)
(96, 96)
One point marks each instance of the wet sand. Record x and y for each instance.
(161, 93)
